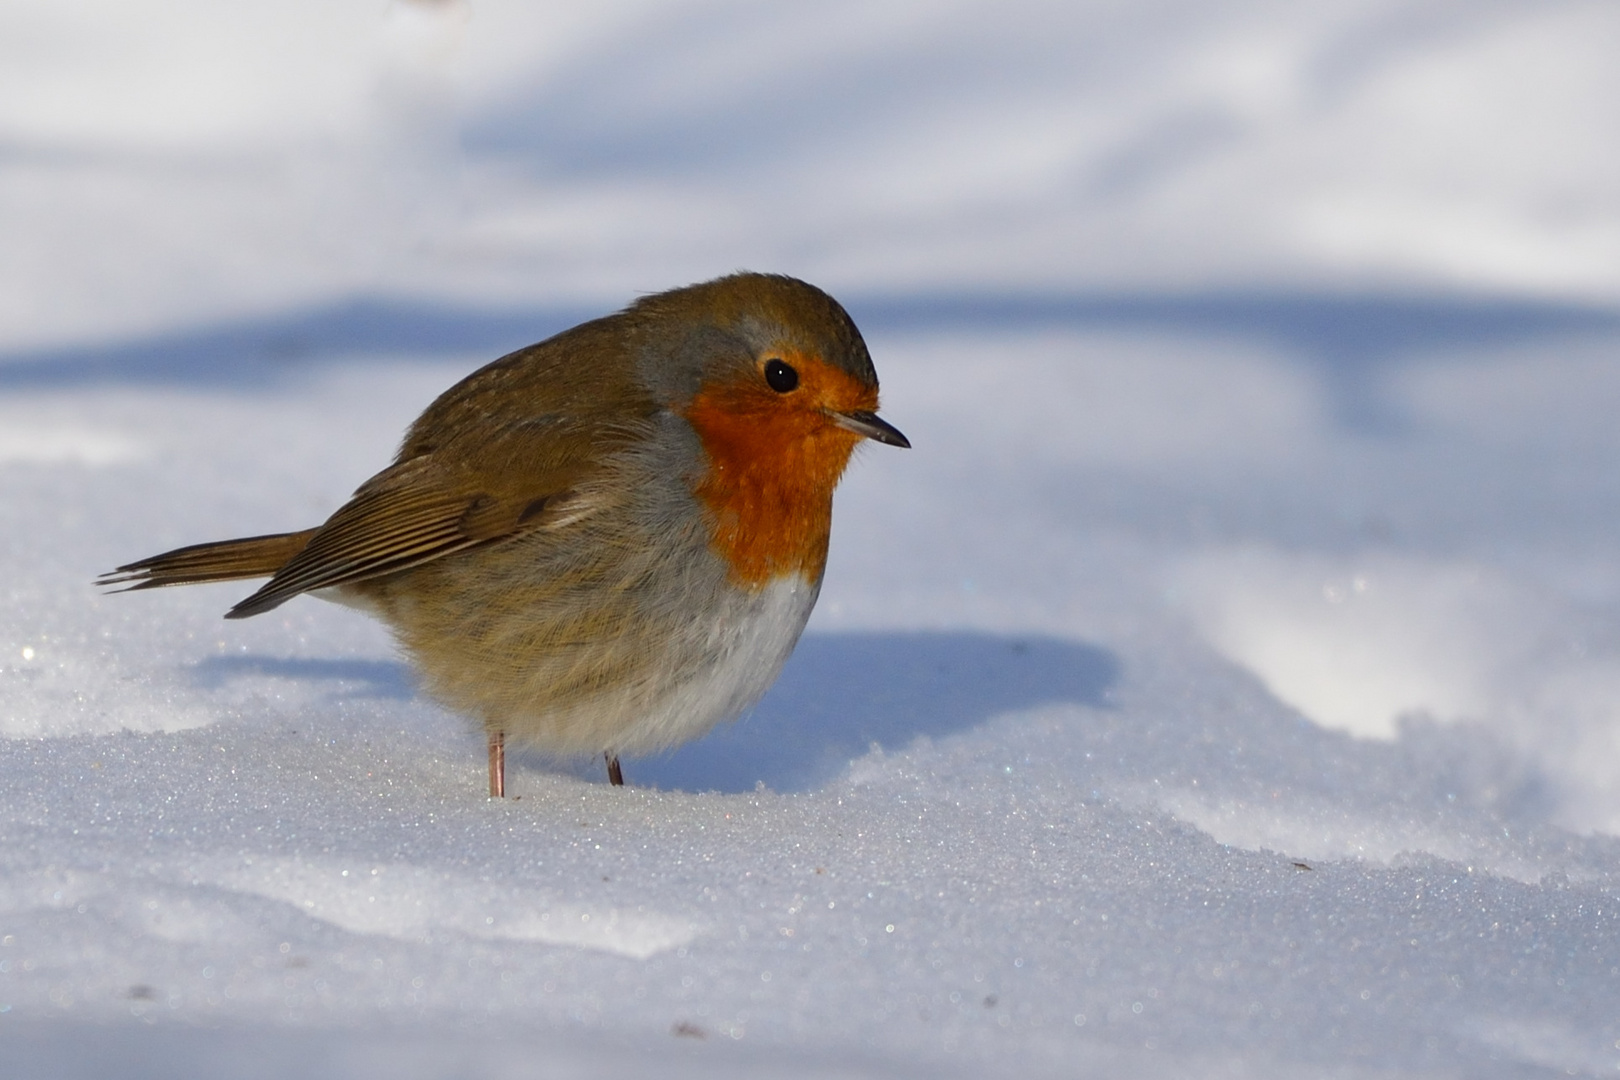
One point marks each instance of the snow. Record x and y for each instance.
(1225, 685)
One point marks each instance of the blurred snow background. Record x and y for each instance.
(1261, 361)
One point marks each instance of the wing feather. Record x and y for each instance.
(410, 514)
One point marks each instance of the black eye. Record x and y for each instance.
(780, 377)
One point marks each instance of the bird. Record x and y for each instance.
(605, 543)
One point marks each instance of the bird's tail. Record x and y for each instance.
(223, 560)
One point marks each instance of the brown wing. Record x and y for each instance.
(506, 451)
(424, 509)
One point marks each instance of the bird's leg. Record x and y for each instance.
(497, 764)
(615, 775)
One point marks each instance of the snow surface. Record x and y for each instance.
(1228, 684)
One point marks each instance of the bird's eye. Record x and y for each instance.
(780, 377)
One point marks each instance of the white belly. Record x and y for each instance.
(751, 640)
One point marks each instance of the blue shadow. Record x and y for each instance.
(1351, 343)
(254, 352)
(841, 694)
(384, 679)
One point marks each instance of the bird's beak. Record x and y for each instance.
(869, 426)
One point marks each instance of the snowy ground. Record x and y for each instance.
(1228, 684)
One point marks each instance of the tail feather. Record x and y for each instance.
(222, 560)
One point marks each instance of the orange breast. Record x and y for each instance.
(774, 460)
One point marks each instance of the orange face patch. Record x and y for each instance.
(774, 459)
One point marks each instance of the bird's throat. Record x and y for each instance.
(769, 484)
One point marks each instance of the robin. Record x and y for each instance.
(605, 543)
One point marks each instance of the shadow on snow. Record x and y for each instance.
(1350, 342)
(839, 695)
(842, 694)
(385, 679)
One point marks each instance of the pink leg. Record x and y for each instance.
(497, 765)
